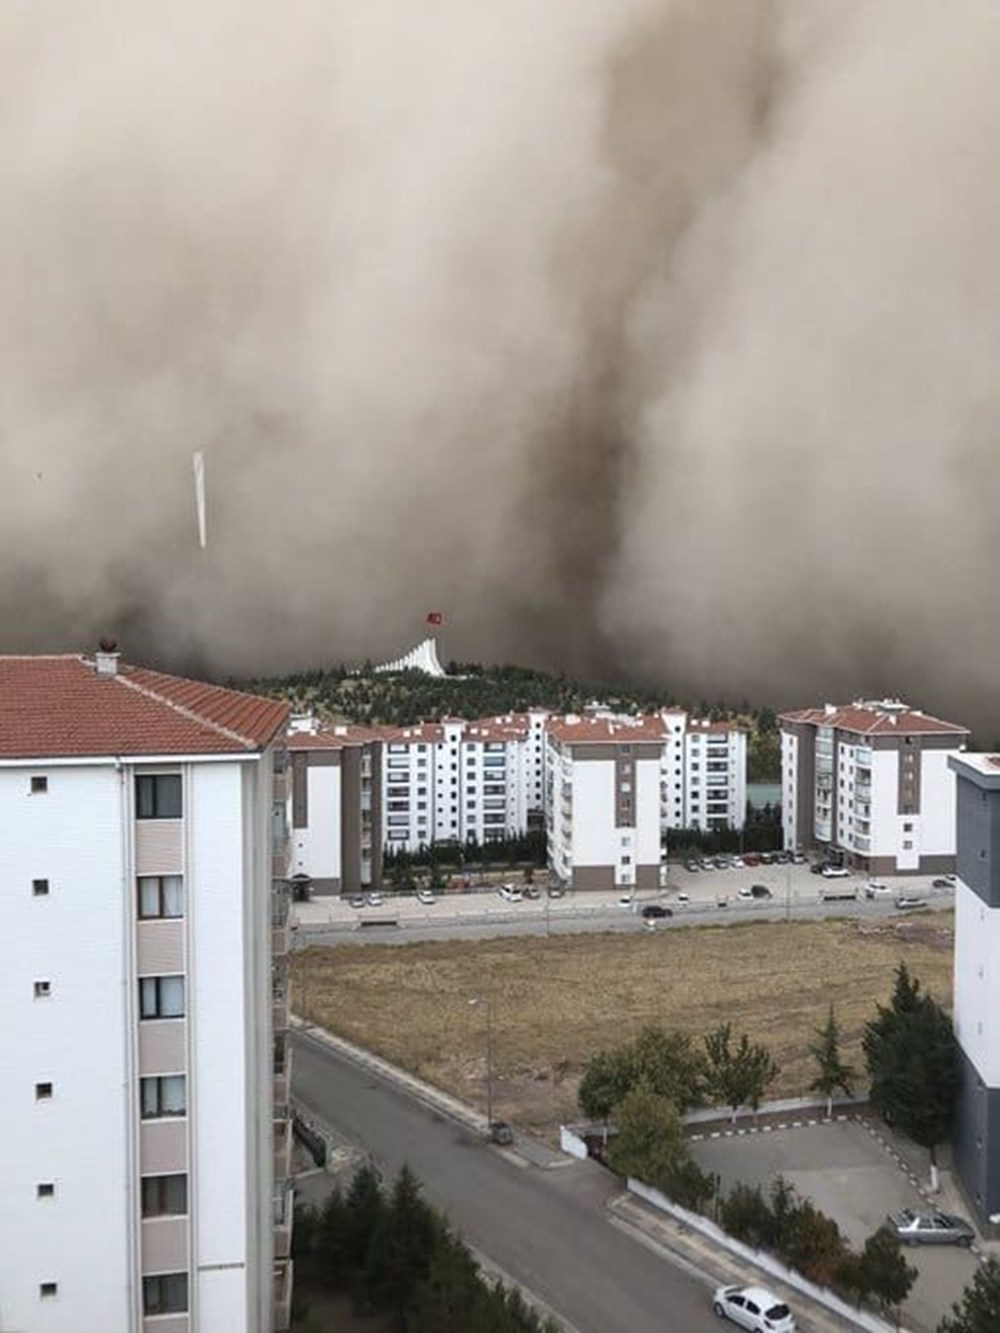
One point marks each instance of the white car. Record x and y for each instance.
(873, 889)
(835, 872)
(626, 900)
(426, 898)
(736, 862)
(753, 1308)
(511, 894)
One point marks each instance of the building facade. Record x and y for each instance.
(976, 1015)
(870, 781)
(603, 802)
(335, 806)
(144, 1129)
(715, 775)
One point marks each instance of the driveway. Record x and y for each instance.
(847, 1174)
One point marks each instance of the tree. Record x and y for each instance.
(833, 1073)
(668, 1062)
(649, 1144)
(884, 1273)
(738, 1077)
(606, 1080)
(979, 1309)
(912, 1059)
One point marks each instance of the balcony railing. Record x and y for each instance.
(279, 1008)
(282, 1071)
(283, 1279)
(284, 1212)
(283, 1150)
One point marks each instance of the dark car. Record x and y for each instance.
(931, 1228)
(905, 901)
(943, 882)
(655, 911)
(817, 867)
(691, 865)
(760, 891)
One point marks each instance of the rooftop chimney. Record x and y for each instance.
(106, 658)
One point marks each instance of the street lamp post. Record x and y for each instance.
(487, 1004)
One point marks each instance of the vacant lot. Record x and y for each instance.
(556, 1000)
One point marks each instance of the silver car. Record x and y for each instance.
(930, 1228)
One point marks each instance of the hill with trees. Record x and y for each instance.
(471, 690)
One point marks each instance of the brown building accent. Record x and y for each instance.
(647, 877)
(624, 790)
(300, 790)
(589, 878)
(350, 820)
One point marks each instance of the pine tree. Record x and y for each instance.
(979, 1309)
(833, 1073)
(912, 1059)
(884, 1273)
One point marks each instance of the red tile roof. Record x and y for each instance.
(874, 719)
(59, 706)
(332, 736)
(606, 730)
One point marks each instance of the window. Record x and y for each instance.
(907, 843)
(46, 1289)
(164, 1196)
(43, 1091)
(158, 796)
(45, 1189)
(161, 896)
(39, 887)
(43, 989)
(39, 785)
(161, 997)
(166, 1293)
(163, 1096)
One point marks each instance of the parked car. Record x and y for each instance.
(626, 900)
(358, 900)
(554, 891)
(655, 911)
(835, 872)
(799, 858)
(691, 865)
(706, 863)
(782, 858)
(875, 889)
(426, 898)
(722, 863)
(816, 868)
(753, 1308)
(510, 893)
(943, 882)
(373, 900)
(737, 862)
(760, 891)
(932, 1228)
(906, 901)
(751, 859)
(531, 892)
(767, 858)
(683, 897)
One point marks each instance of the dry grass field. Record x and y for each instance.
(556, 1000)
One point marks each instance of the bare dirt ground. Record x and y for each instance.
(556, 1000)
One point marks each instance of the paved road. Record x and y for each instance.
(546, 1229)
(487, 919)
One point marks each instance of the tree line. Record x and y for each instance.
(473, 690)
(644, 1087)
(396, 1257)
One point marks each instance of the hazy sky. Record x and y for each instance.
(655, 337)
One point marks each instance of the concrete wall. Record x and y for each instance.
(77, 1039)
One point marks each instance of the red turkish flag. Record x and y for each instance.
(435, 618)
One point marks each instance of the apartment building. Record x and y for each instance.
(871, 781)
(335, 806)
(715, 775)
(603, 801)
(976, 1138)
(144, 1129)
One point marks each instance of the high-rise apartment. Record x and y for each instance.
(144, 1129)
(871, 781)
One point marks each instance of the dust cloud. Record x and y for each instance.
(652, 338)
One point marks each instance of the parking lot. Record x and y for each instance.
(847, 1173)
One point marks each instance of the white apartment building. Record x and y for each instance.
(715, 775)
(976, 1138)
(871, 781)
(335, 806)
(144, 1160)
(603, 801)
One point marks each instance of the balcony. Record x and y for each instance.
(280, 924)
(282, 1071)
(279, 1007)
(862, 791)
(283, 1278)
(282, 1149)
(284, 1197)
(282, 786)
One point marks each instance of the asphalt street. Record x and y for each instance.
(546, 1229)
